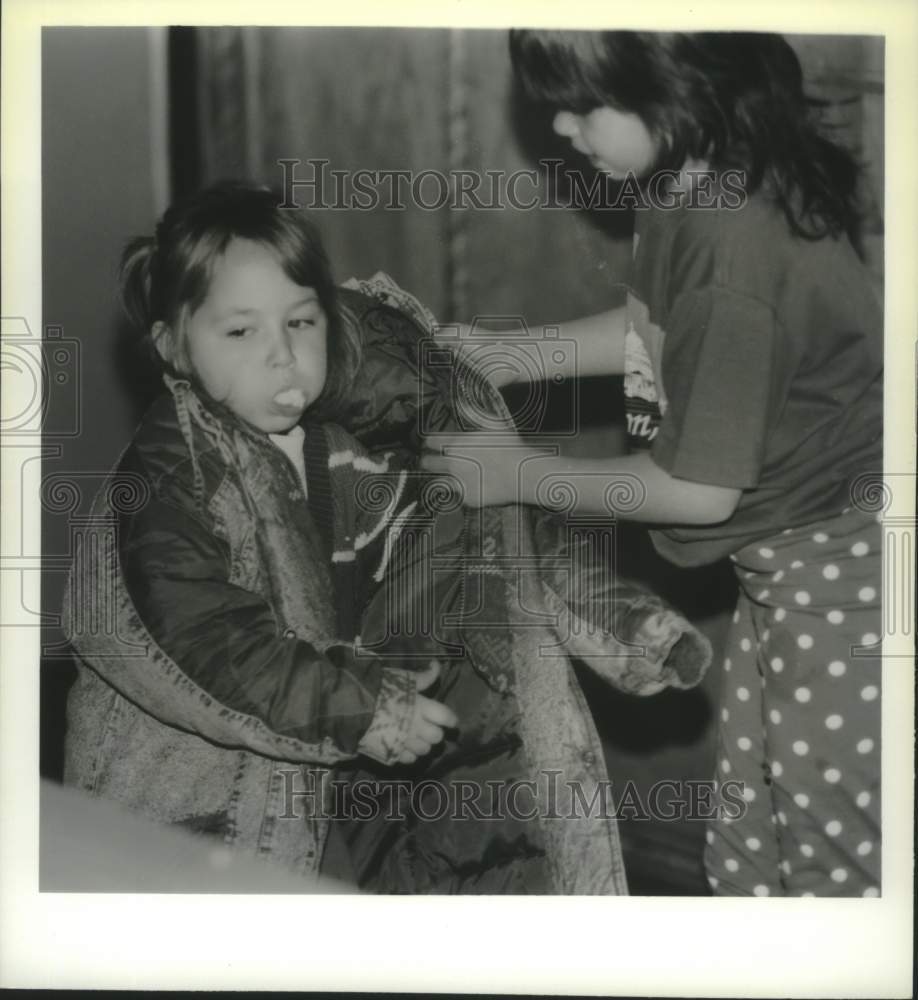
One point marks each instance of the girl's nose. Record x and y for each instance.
(280, 352)
(565, 123)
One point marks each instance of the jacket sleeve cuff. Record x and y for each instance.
(675, 647)
(388, 732)
(646, 650)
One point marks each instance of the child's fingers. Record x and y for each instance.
(418, 745)
(427, 732)
(437, 713)
(429, 675)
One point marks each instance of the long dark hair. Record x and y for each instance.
(165, 277)
(735, 100)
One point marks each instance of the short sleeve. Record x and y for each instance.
(717, 367)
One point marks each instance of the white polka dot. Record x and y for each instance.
(753, 843)
(749, 794)
(767, 553)
(871, 893)
(864, 848)
(869, 639)
(820, 537)
(807, 895)
(834, 722)
(839, 875)
(870, 692)
(801, 748)
(742, 693)
(782, 818)
(760, 890)
(778, 577)
(860, 549)
(780, 614)
(835, 616)
(725, 766)
(777, 664)
(863, 799)
(787, 531)
(724, 714)
(736, 617)
(805, 641)
(837, 668)
(732, 865)
(864, 746)
(806, 850)
(802, 597)
(745, 645)
(832, 775)
(727, 663)
(777, 768)
(744, 743)
(713, 882)
(803, 695)
(796, 564)
(831, 572)
(709, 836)
(775, 716)
(766, 635)
(763, 594)
(866, 594)
(833, 828)
(785, 867)
(802, 799)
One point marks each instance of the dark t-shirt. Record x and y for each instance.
(753, 359)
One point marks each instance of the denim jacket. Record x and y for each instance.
(207, 521)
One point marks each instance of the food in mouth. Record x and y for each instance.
(291, 398)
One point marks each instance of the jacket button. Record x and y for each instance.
(289, 633)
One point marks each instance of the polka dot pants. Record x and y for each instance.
(799, 741)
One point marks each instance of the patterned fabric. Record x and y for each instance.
(510, 607)
(800, 718)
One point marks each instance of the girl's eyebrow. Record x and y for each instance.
(308, 299)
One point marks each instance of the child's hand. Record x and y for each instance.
(489, 469)
(430, 719)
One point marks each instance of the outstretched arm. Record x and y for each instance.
(599, 349)
(492, 471)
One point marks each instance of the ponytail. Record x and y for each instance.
(135, 279)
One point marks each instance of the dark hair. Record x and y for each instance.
(165, 277)
(735, 100)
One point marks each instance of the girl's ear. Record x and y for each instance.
(164, 342)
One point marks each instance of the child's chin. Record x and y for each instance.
(277, 425)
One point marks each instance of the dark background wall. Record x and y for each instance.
(103, 93)
(238, 101)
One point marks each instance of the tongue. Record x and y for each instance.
(291, 398)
